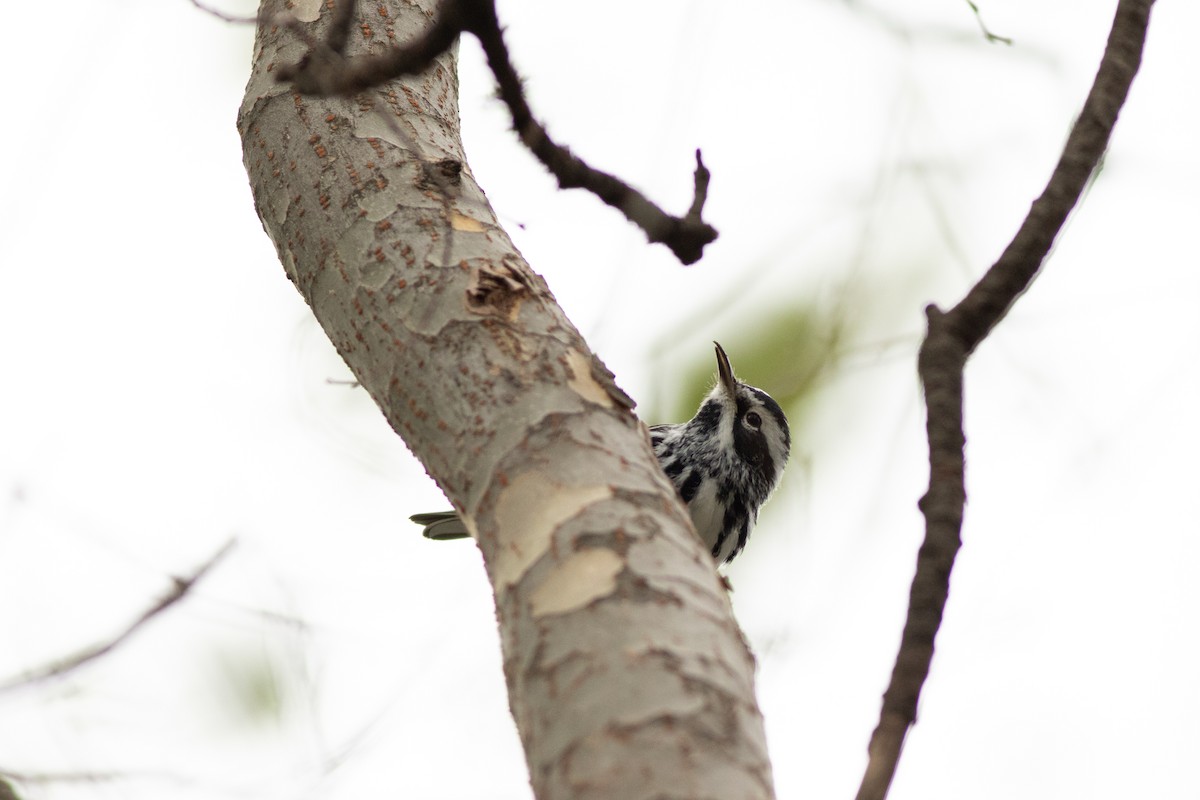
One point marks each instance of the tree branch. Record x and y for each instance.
(619, 644)
(325, 72)
(179, 590)
(951, 338)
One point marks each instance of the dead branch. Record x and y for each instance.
(325, 71)
(950, 339)
(57, 669)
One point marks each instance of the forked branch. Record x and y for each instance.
(326, 71)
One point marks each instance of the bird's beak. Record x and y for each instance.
(725, 371)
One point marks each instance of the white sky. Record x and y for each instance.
(164, 390)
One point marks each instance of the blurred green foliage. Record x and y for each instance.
(250, 684)
(787, 352)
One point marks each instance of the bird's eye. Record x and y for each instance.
(754, 420)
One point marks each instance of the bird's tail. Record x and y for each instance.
(441, 525)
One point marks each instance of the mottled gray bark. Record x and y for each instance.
(628, 677)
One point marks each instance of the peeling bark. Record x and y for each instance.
(627, 674)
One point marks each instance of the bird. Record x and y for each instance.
(724, 462)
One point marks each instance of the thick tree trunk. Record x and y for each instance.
(627, 675)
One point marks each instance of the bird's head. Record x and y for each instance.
(749, 422)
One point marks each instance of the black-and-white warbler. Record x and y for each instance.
(724, 462)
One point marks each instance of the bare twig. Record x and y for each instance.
(207, 9)
(179, 589)
(699, 191)
(991, 37)
(686, 237)
(951, 338)
(324, 71)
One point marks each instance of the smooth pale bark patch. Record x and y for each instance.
(581, 379)
(461, 222)
(307, 10)
(532, 507)
(582, 578)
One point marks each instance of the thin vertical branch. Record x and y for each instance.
(951, 338)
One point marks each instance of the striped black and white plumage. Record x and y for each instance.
(724, 462)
